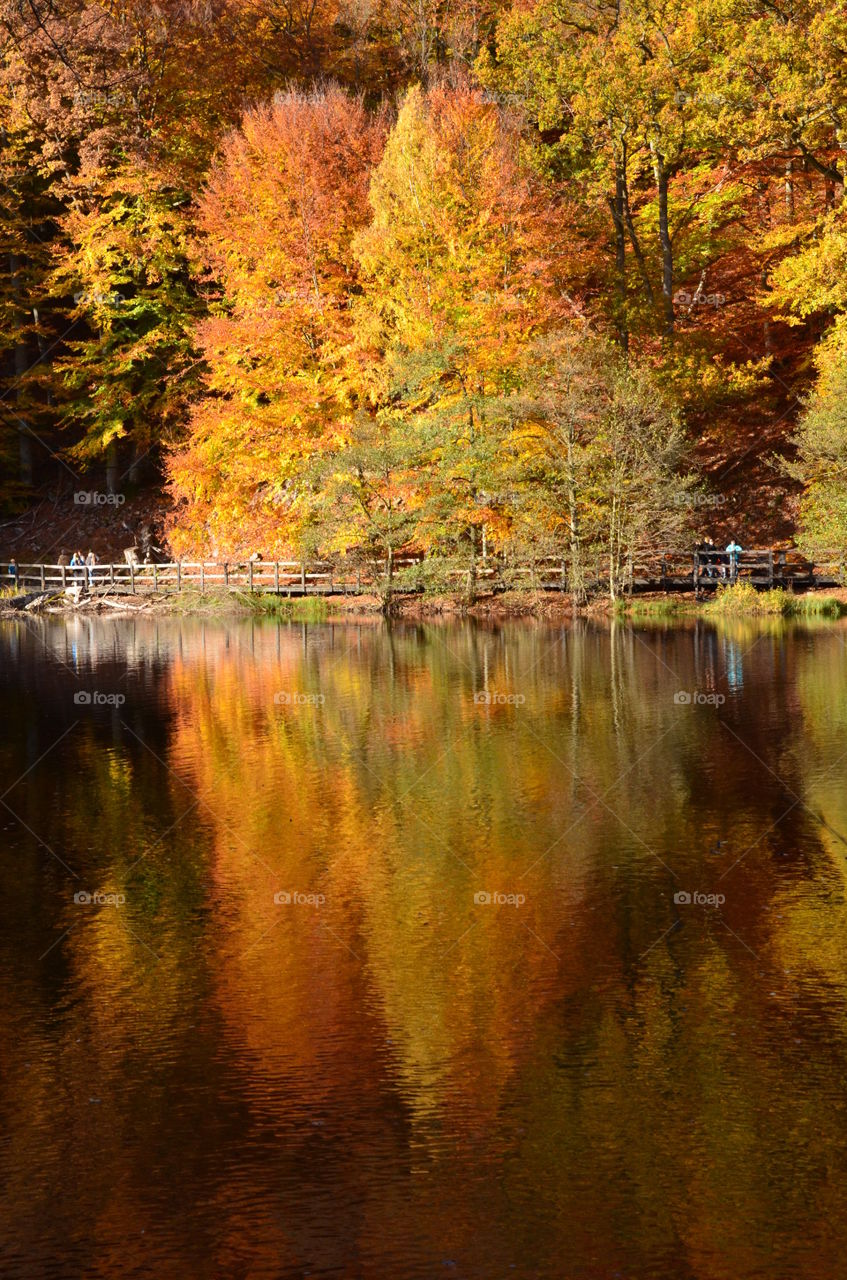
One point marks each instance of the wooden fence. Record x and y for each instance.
(648, 571)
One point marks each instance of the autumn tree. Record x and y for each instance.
(597, 461)
(366, 512)
(821, 466)
(130, 375)
(459, 267)
(114, 110)
(28, 212)
(616, 88)
(777, 72)
(278, 217)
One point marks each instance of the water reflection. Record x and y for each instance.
(411, 974)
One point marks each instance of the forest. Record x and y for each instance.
(335, 276)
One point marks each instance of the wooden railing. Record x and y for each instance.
(647, 571)
(279, 577)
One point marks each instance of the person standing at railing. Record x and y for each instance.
(90, 562)
(706, 558)
(78, 566)
(733, 550)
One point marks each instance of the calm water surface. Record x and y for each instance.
(356, 951)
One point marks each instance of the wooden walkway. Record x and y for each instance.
(650, 572)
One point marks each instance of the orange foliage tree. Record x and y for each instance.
(462, 266)
(278, 216)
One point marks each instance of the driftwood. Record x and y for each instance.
(37, 603)
(120, 604)
(26, 603)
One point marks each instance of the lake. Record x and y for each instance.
(410, 951)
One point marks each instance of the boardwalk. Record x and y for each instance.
(653, 571)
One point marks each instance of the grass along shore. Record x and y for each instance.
(741, 599)
(738, 600)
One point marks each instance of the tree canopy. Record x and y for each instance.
(248, 248)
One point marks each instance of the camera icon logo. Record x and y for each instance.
(82, 899)
(82, 698)
(82, 498)
(682, 698)
(482, 698)
(682, 898)
(482, 899)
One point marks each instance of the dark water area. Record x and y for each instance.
(423, 951)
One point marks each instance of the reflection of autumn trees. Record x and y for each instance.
(400, 797)
(500, 1082)
(810, 933)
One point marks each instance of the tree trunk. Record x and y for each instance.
(789, 190)
(577, 584)
(616, 206)
(22, 364)
(112, 467)
(662, 175)
(472, 573)
(25, 459)
(135, 470)
(636, 246)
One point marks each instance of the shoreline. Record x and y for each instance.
(742, 600)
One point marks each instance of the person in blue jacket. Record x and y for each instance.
(733, 548)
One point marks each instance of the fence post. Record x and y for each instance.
(770, 568)
(696, 575)
(250, 575)
(132, 577)
(276, 577)
(155, 577)
(42, 577)
(202, 576)
(111, 575)
(179, 575)
(64, 577)
(303, 576)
